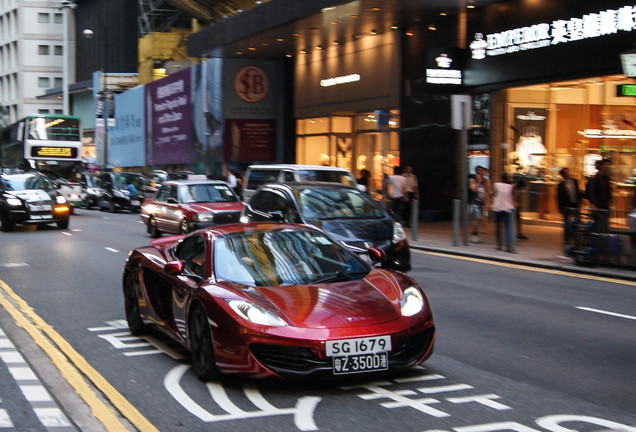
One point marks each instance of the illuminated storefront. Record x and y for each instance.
(578, 106)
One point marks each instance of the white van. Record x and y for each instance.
(258, 175)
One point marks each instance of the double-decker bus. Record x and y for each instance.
(48, 143)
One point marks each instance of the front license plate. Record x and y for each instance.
(348, 347)
(135, 202)
(360, 363)
(40, 207)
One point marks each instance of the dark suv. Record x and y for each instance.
(31, 199)
(344, 212)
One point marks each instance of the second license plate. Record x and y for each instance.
(360, 363)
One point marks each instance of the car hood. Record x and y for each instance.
(357, 230)
(31, 195)
(369, 301)
(213, 207)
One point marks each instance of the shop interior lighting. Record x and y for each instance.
(252, 49)
(280, 40)
(470, 4)
(319, 47)
(374, 32)
(394, 26)
(409, 33)
(432, 27)
(335, 42)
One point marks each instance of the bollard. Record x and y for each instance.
(415, 211)
(456, 214)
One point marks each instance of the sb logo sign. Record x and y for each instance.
(251, 84)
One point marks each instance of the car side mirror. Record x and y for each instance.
(172, 200)
(173, 268)
(376, 255)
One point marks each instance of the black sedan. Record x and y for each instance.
(31, 199)
(346, 214)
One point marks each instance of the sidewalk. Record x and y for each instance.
(542, 249)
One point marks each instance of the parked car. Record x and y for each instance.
(90, 192)
(181, 206)
(259, 175)
(114, 196)
(31, 199)
(344, 212)
(276, 299)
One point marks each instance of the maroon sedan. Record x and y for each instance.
(277, 299)
(181, 206)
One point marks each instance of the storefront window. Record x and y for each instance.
(352, 142)
(570, 124)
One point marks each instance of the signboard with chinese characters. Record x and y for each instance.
(571, 37)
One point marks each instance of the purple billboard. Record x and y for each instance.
(169, 120)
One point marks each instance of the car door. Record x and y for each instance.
(168, 219)
(193, 252)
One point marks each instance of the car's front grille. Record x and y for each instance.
(297, 361)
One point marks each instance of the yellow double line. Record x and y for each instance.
(73, 367)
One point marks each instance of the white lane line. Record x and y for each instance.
(67, 233)
(111, 250)
(606, 312)
(14, 265)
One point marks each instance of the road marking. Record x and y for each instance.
(14, 265)
(73, 367)
(111, 250)
(67, 233)
(43, 405)
(528, 268)
(606, 312)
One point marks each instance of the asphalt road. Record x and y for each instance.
(517, 349)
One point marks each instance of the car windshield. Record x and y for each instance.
(121, 180)
(283, 257)
(337, 203)
(199, 193)
(27, 182)
(326, 176)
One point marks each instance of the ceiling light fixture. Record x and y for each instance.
(374, 32)
(432, 27)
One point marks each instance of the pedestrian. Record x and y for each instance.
(132, 194)
(231, 181)
(397, 194)
(569, 200)
(365, 175)
(503, 205)
(412, 192)
(599, 188)
(519, 186)
(479, 193)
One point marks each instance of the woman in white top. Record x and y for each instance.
(502, 205)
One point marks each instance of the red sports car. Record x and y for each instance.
(276, 299)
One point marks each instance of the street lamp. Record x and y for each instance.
(65, 5)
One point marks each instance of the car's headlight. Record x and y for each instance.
(255, 314)
(412, 302)
(204, 217)
(14, 202)
(60, 200)
(399, 234)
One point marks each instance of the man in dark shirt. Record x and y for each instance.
(569, 199)
(600, 193)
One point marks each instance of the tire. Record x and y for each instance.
(201, 346)
(111, 207)
(7, 225)
(63, 224)
(152, 228)
(184, 228)
(131, 306)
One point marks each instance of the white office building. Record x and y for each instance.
(32, 55)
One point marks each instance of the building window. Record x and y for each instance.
(57, 18)
(44, 18)
(43, 111)
(43, 49)
(58, 50)
(58, 111)
(43, 82)
(57, 82)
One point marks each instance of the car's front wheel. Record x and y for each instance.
(184, 228)
(63, 223)
(152, 228)
(7, 225)
(131, 306)
(201, 346)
